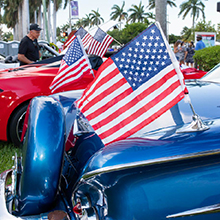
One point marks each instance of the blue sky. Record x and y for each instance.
(176, 23)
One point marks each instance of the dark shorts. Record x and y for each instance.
(189, 60)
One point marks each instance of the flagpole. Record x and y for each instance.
(118, 42)
(70, 16)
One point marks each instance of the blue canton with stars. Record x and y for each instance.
(74, 52)
(81, 32)
(143, 57)
(99, 35)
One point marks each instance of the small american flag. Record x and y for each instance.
(100, 43)
(69, 41)
(84, 35)
(133, 87)
(73, 66)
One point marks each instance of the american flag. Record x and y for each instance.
(100, 43)
(73, 66)
(84, 35)
(133, 87)
(69, 41)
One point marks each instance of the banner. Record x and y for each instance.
(208, 38)
(74, 9)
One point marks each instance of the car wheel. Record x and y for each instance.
(16, 125)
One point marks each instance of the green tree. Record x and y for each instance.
(137, 13)
(79, 23)
(173, 38)
(131, 30)
(186, 34)
(96, 18)
(118, 13)
(218, 32)
(7, 36)
(203, 26)
(151, 4)
(194, 7)
(87, 21)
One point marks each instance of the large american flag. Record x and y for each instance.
(84, 35)
(100, 43)
(73, 66)
(133, 87)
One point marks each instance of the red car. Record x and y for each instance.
(18, 86)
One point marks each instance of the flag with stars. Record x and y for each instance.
(133, 87)
(73, 66)
(100, 43)
(84, 35)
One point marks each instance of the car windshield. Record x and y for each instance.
(213, 75)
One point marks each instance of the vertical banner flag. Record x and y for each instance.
(133, 87)
(74, 9)
(73, 66)
(84, 35)
(100, 43)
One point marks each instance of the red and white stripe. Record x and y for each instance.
(115, 111)
(98, 48)
(70, 74)
(69, 41)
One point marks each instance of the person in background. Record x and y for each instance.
(182, 52)
(28, 51)
(176, 48)
(200, 44)
(190, 51)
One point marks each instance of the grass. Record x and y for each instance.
(7, 150)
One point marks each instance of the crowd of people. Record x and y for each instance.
(184, 54)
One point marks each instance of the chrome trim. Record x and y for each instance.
(196, 125)
(198, 211)
(149, 162)
(4, 214)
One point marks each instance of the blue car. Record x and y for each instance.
(169, 169)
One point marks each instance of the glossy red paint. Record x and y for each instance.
(19, 87)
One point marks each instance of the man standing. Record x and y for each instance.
(200, 44)
(28, 51)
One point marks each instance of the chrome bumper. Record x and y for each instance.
(4, 214)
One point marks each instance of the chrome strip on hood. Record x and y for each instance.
(149, 162)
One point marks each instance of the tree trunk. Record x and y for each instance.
(49, 21)
(25, 17)
(54, 22)
(16, 32)
(161, 14)
(20, 30)
(45, 20)
(40, 22)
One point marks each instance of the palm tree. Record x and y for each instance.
(87, 21)
(193, 6)
(151, 4)
(79, 23)
(96, 18)
(118, 13)
(137, 13)
(186, 33)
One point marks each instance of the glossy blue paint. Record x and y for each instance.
(156, 173)
(43, 155)
(161, 172)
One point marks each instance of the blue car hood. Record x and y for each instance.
(160, 140)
